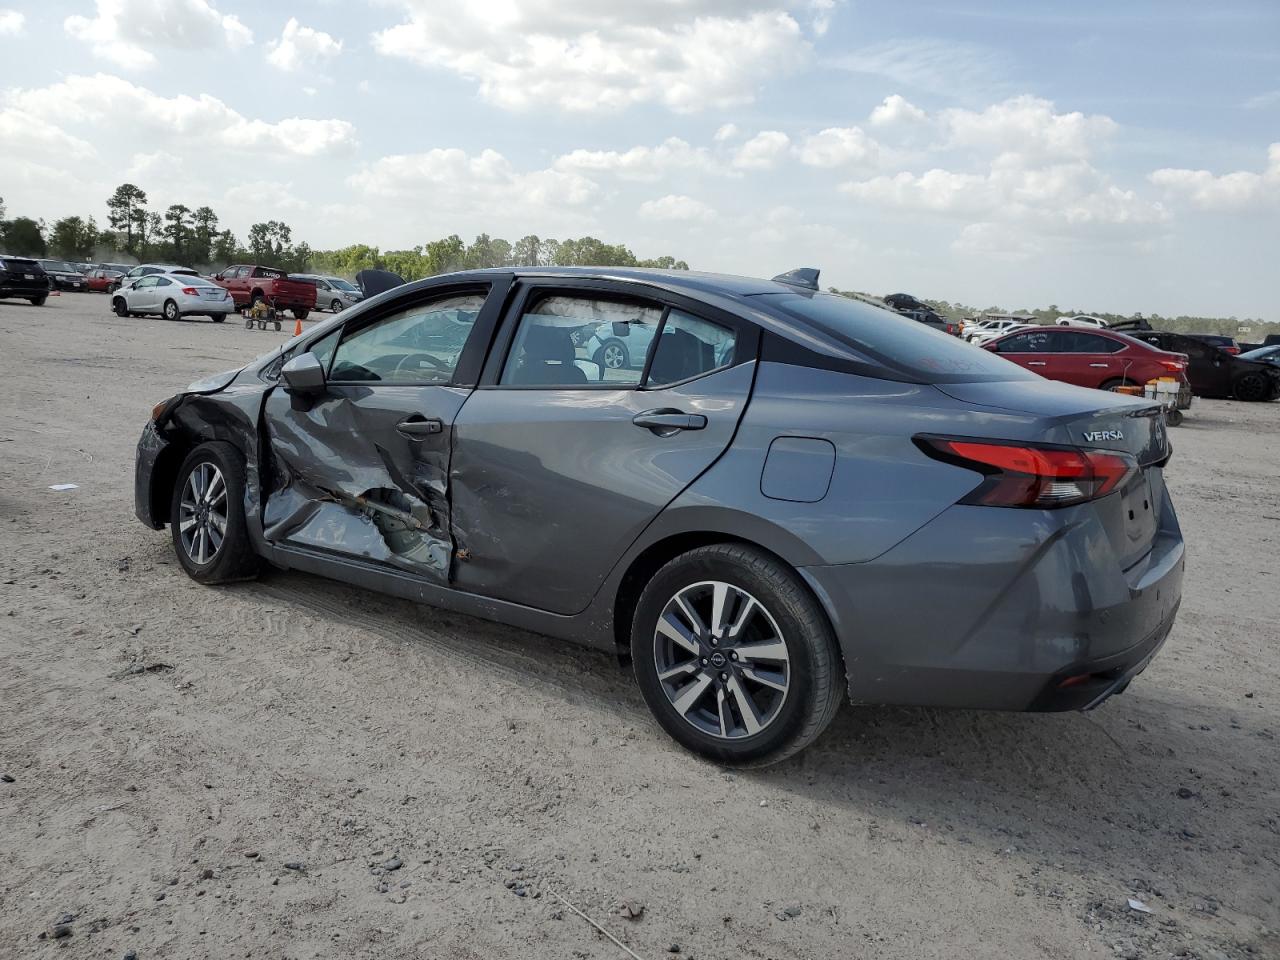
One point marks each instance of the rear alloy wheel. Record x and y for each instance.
(734, 656)
(207, 516)
(1250, 388)
(171, 311)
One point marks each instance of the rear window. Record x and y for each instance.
(17, 263)
(900, 344)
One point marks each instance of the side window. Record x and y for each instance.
(1022, 343)
(163, 281)
(689, 347)
(145, 282)
(575, 340)
(418, 344)
(322, 349)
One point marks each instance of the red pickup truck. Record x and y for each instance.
(249, 284)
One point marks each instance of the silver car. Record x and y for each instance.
(332, 293)
(174, 296)
(793, 499)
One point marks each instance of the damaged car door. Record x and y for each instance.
(360, 434)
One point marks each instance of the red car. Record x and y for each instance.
(101, 281)
(1088, 358)
(249, 284)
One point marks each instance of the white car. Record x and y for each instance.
(173, 296)
(332, 293)
(1081, 320)
(990, 329)
(147, 269)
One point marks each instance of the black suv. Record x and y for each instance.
(23, 278)
(64, 276)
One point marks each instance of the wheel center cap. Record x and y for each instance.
(718, 659)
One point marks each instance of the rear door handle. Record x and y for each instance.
(668, 421)
(1035, 363)
(417, 427)
(1104, 365)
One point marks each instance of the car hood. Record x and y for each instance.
(214, 382)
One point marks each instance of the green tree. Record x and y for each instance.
(23, 237)
(443, 256)
(178, 231)
(527, 252)
(73, 238)
(270, 243)
(122, 212)
(205, 228)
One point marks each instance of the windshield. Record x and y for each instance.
(898, 343)
(1262, 353)
(194, 281)
(345, 285)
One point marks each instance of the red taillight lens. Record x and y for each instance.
(1175, 365)
(1021, 475)
(191, 291)
(1234, 351)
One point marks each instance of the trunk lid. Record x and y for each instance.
(1096, 420)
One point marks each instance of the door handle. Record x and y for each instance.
(1103, 365)
(1035, 363)
(666, 421)
(415, 428)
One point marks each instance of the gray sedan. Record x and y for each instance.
(792, 499)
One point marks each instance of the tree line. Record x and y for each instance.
(195, 237)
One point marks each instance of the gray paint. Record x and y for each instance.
(535, 504)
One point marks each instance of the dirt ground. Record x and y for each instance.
(237, 771)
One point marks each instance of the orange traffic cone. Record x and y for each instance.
(297, 328)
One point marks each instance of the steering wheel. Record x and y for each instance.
(436, 363)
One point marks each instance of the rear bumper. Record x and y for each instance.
(208, 306)
(25, 291)
(994, 609)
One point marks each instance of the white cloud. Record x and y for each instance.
(32, 136)
(180, 122)
(130, 32)
(1027, 126)
(838, 147)
(11, 22)
(1230, 191)
(947, 67)
(579, 55)
(727, 132)
(639, 163)
(763, 151)
(301, 46)
(483, 183)
(676, 207)
(896, 110)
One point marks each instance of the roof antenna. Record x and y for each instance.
(806, 277)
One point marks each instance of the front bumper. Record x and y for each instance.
(994, 609)
(152, 448)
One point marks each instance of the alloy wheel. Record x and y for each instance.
(202, 515)
(614, 356)
(721, 660)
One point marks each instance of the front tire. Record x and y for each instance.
(120, 307)
(39, 301)
(613, 355)
(1250, 388)
(206, 516)
(735, 657)
(335, 306)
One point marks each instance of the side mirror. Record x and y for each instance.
(621, 328)
(217, 276)
(304, 375)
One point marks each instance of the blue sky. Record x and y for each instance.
(1093, 155)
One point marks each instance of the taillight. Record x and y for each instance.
(1023, 475)
(1175, 365)
(1234, 351)
(191, 291)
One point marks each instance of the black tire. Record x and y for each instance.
(1250, 388)
(234, 557)
(299, 313)
(1118, 382)
(335, 305)
(815, 673)
(613, 355)
(218, 317)
(118, 305)
(1173, 418)
(170, 311)
(39, 301)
